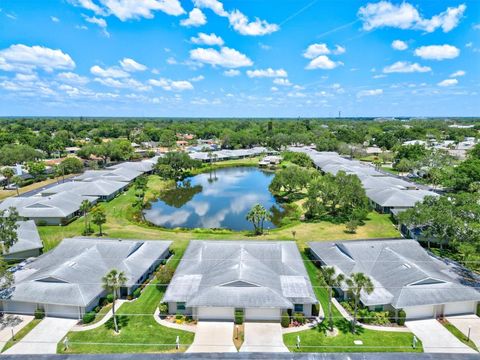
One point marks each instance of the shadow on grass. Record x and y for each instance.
(122, 321)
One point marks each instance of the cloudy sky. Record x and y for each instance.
(239, 58)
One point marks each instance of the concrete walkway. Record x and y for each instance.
(18, 322)
(263, 337)
(436, 338)
(213, 337)
(190, 328)
(44, 337)
(462, 322)
(107, 317)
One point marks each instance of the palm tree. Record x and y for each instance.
(358, 282)
(332, 280)
(8, 173)
(112, 282)
(17, 180)
(99, 218)
(85, 208)
(257, 216)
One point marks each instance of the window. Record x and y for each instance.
(378, 308)
(180, 306)
(298, 308)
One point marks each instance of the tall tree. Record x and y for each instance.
(358, 283)
(113, 281)
(99, 217)
(257, 216)
(8, 173)
(332, 280)
(85, 207)
(8, 236)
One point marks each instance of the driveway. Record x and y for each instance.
(436, 338)
(212, 336)
(462, 322)
(263, 337)
(44, 337)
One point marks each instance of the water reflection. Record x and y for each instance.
(219, 199)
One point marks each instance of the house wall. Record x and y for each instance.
(22, 255)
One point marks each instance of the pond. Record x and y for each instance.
(218, 199)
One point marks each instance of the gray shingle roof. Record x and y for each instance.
(98, 187)
(396, 198)
(71, 274)
(125, 174)
(404, 274)
(241, 274)
(27, 238)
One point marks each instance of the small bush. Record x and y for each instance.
(137, 293)
(102, 302)
(285, 321)
(97, 309)
(401, 317)
(110, 298)
(39, 314)
(163, 308)
(42, 223)
(89, 317)
(299, 318)
(239, 317)
(178, 316)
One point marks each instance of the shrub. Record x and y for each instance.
(96, 309)
(89, 317)
(137, 293)
(39, 314)
(102, 301)
(239, 317)
(299, 318)
(163, 308)
(42, 223)
(285, 321)
(110, 298)
(178, 316)
(401, 317)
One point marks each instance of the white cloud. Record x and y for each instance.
(406, 16)
(374, 92)
(241, 24)
(282, 82)
(231, 73)
(171, 85)
(72, 78)
(274, 88)
(458, 73)
(54, 19)
(131, 65)
(399, 45)
(339, 50)
(23, 58)
(131, 9)
(448, 82)
(195, 18)
(323, 62)
(406, 67)
(122, 83)
(226, 57)
(206, 39)
(437, 52)
(271, 73)
(315, 50)
(100, 22)
(111, 72)
(197, 78)
(214, 5)
(171, 61)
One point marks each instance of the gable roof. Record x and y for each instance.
(98, 187)
(241, 274)
(396, 198)
(71, 274)
(403, 273)
(27, 238)
(124, 174)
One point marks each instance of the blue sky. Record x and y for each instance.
(239, 58)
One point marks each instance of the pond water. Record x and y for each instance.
(218, 199)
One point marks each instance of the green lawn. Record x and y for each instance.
(459, 335)
(316, 340)
(139, 332)
(21, 334)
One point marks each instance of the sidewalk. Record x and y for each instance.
(107, 317)
(190, 328)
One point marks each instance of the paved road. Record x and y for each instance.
(39, 190)
(436, 338)
(462, 322)
(263, 337)
(44, 337)
(212, 336)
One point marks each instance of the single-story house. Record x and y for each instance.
(105, 190)
(57, 209)
(260, 278)
(386, 200)
(28, 242)
(144, 166)
(405, 276)
(124, 174)
(67, 281)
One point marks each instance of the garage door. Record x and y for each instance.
(215, 313)
(420, 312)
(62, 311)
(466, 307)
(260, 314)
(19, 307)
